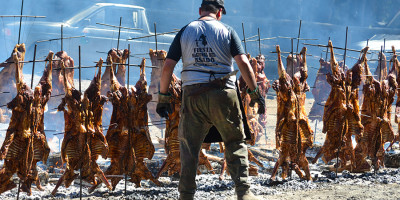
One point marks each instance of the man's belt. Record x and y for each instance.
(200, 88)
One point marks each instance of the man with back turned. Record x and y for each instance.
(209, 98)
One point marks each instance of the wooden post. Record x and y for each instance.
(20, 24)
(33, 65)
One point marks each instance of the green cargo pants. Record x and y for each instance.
(218, 107)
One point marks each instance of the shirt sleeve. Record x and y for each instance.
(236, 45)
(175, 50)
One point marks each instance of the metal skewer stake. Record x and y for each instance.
(20, 24)
(129, 50)
(341, 135)
(119, 32)
(80, 69)
(384, 44)
(297, 49)
(380, 67)
(62, 38)
(155, 36)
(244, 39)
(33, 65)
(259, 42)
(327, 50)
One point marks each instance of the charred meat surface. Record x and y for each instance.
(17, 148)
(288, 134)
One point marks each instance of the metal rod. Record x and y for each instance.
(147, 36)
(251, 37)
(84, 67)
(259, 42)
(126, 178)
(19, 187)
(30, 61)
(284, 52)
(62, 35)
(27, 16)
(20, 23)
(320, 45)
(33, 65)
(80, 69)
(341, 135)
(327, 50)
(80, 183)
(384, 44)
(244, 39)
(119, 32)
(367, 41)
(380, 68)
(60, 39)
(138, 29)
(345, 48)
(315, 130)
(298, 36)
(262, 39)
(155, 36)
(291, 52)
(129, 50)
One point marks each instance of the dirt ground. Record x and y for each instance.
(336, 191)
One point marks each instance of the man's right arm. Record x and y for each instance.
(166, 75)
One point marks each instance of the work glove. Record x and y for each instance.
(257, 98)
(164, 106)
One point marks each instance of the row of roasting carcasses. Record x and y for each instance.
(127, 141)
(342, 116)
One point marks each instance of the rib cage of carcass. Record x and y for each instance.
(142, 144)
(17, 148)
(291, 139)
(341, 118)
(376, 108)
(77, 145)
(41, 149)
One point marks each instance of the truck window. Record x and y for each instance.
(113, 15)
(97, 17)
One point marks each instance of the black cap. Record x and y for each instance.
(218, 3)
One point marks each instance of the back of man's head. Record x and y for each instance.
(212, 6)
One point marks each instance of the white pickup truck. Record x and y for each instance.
(98, 38)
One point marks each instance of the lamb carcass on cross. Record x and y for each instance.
(142, 144)
(288, 134)
(41, 149)
(17, 148)
(119, 135)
